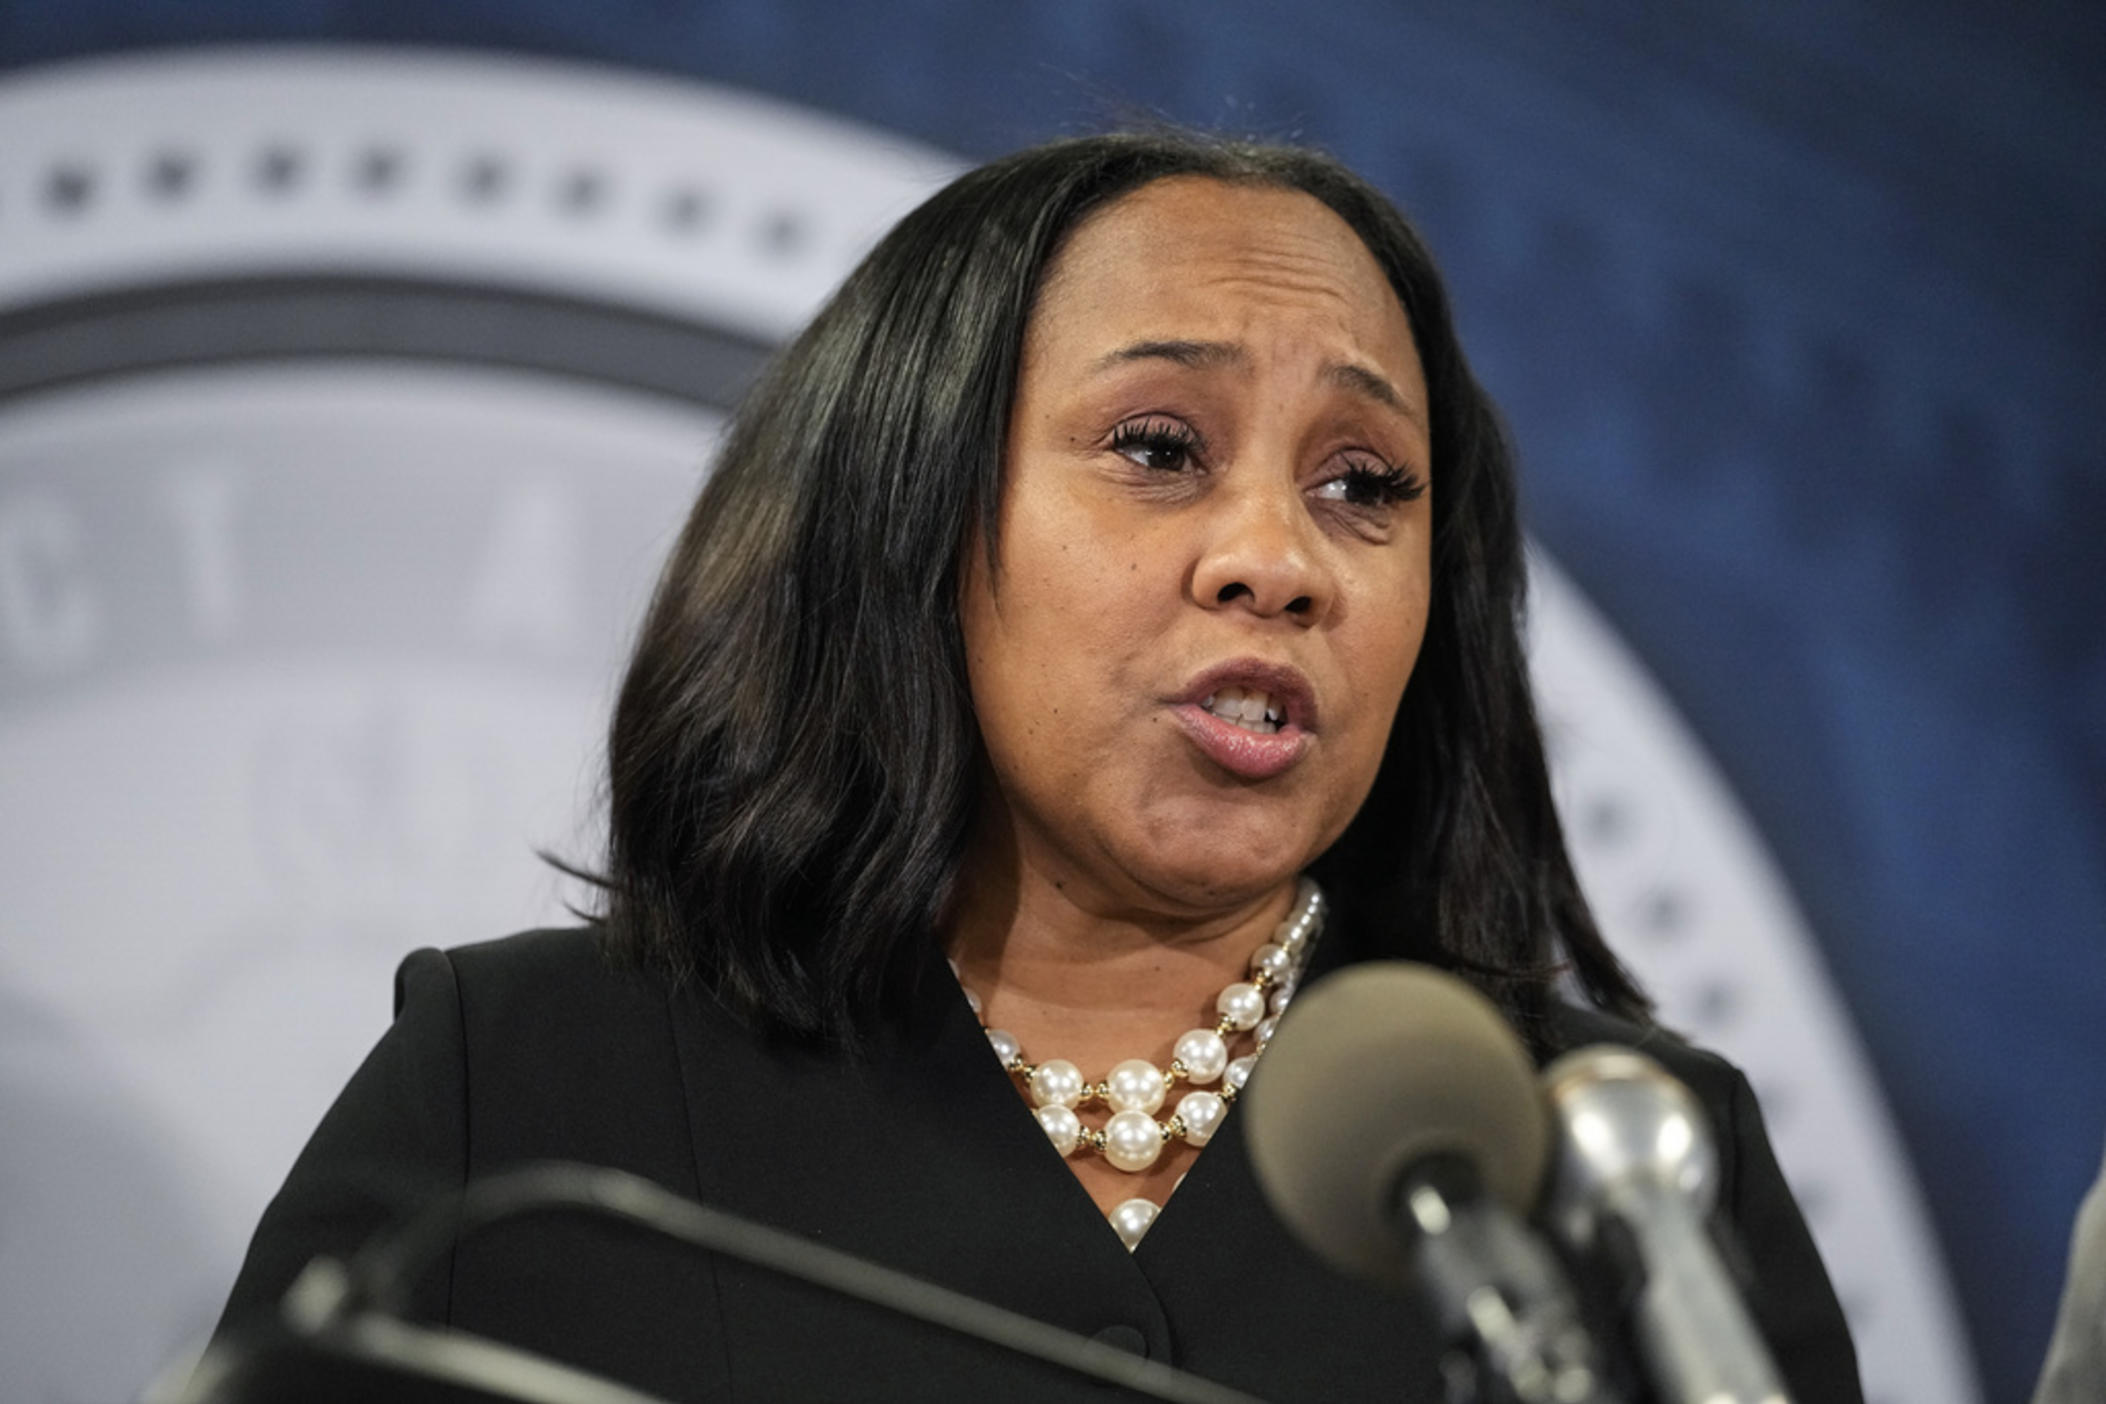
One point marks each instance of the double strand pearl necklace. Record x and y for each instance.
(1131, 1138)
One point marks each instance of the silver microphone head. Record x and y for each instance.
(1625, 1125)
(1634, 1149)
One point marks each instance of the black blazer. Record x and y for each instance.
(920, 1156)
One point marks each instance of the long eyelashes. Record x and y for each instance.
(1379, 485)
(1167, 445)
(1162, 444)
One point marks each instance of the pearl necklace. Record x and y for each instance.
(1132, 1139)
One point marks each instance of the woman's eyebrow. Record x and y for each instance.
(1374, 386)
(1210, 355)
(1193, 355)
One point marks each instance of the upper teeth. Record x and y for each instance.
(1247, 707)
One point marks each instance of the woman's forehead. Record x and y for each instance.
(1201, 260)
(1193, 239)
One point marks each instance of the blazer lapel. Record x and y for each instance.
(918, 1155)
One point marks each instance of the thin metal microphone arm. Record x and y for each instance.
(380, 1276)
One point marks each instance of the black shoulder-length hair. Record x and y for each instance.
(793, 758)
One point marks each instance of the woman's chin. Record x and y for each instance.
(1203, 874)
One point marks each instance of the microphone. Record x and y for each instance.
(1636, 1163)
(1396, 1126)
(342, 1336)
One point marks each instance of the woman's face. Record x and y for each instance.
(1214, 550)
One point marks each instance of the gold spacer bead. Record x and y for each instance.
(1174, 1129)
(1227, 1093)
(1225, 1026)
(1176, 1071)
(1094, 1140)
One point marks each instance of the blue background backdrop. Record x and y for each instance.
(1797, 311)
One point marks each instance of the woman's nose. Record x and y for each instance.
(1258, 555)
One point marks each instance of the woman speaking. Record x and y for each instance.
(1102, 618)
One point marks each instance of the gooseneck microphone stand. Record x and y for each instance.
(344, 1336)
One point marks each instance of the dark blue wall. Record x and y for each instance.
(1798, 313)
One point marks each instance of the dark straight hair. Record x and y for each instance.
(793, 759)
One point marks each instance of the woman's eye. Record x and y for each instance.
(1160, 445)
(1373, 484)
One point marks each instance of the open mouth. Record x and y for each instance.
(1248, 708)
(1253, 717)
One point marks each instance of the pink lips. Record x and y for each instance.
(1252, 755)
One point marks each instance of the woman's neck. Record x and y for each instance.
(1071, 975)
(1076, 972)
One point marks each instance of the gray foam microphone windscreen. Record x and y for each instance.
(1373, 1069)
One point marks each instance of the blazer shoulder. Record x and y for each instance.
(567, 1054)
(527, 959)
(562, 973)
(547, 1014)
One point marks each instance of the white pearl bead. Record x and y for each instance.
(1132, 1140)
(1135, 1085)
(972, 1002)
(1242, 1005)
(1287, 934)
(1004, 1044)
(1201, 1112)
(1056, 1083)
(1204, 1054)
(1238, 1072)
(1062, 1127)
(1280, 999)
(1131, 1220)
(1271, 961)
(1264, 1031)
